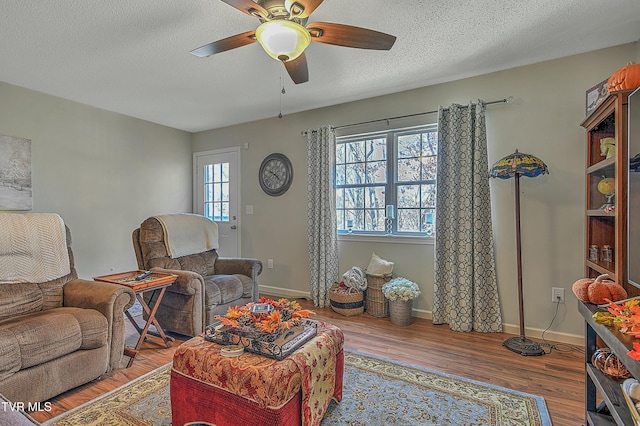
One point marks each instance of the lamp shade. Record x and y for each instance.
(518, 164)
(283, 40)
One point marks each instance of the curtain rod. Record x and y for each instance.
(499, 101)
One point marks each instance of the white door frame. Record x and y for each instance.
(198, 185)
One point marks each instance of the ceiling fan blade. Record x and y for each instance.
(349, 36)
(298, 70)
(225, 44)
(249, 7)
(302, 8)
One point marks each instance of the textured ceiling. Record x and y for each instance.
(132, 56)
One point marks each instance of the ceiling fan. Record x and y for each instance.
(284, 34)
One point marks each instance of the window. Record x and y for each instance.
(216, 190)
(391, 173)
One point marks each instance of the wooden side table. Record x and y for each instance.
(157, 283)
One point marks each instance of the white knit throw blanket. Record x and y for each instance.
(186, 234)
(33, 248)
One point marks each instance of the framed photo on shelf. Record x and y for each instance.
(595, 96)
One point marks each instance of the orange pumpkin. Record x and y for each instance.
(596, 291)
(627, 77)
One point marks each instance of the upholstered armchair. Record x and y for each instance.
(186, 245)
(57, 332)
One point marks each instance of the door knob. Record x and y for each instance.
(233, 227)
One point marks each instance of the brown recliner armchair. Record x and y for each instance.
(206, 285)
(59, 332)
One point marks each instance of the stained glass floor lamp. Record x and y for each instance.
(516, 165)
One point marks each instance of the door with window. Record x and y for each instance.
(216, 187)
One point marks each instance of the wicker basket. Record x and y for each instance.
(346, 303)
(400, 312)
(377, 304)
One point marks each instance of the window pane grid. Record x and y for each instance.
(416, 169)
(370, 174)
(216, 192)
(361, 178)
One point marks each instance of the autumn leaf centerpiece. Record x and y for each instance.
(624, 315)
(265, 320)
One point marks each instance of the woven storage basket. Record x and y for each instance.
(347, 304)
(400, 312)
(377, 304)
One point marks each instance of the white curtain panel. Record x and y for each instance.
(465, 287)
(321, 213)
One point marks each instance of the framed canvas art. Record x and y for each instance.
(15, 173)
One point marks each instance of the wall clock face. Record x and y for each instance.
(276, 174)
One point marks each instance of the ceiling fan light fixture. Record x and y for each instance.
(282, 39)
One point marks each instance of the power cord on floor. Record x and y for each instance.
(560, 347)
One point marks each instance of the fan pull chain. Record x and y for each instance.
(282, 92)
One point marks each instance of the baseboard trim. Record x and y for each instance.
(284, 292)
(536, 333)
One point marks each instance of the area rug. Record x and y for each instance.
(376, 392)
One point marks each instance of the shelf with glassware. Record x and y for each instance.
(606, 192)
(601, 218)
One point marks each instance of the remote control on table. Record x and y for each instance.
(143, 276)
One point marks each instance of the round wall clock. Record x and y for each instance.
(276, 174)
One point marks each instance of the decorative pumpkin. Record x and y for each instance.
(596, 291)
(627, 77)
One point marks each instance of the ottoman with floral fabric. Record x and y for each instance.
(253, 389)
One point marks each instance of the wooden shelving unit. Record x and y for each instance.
(605, 403)
(608, 226)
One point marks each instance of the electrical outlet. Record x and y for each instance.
(270, 263)
(557, 294)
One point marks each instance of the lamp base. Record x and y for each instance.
(523, 346)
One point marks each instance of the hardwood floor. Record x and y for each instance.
(557, 376)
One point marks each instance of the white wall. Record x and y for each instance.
(104, 173)
(544, 120)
